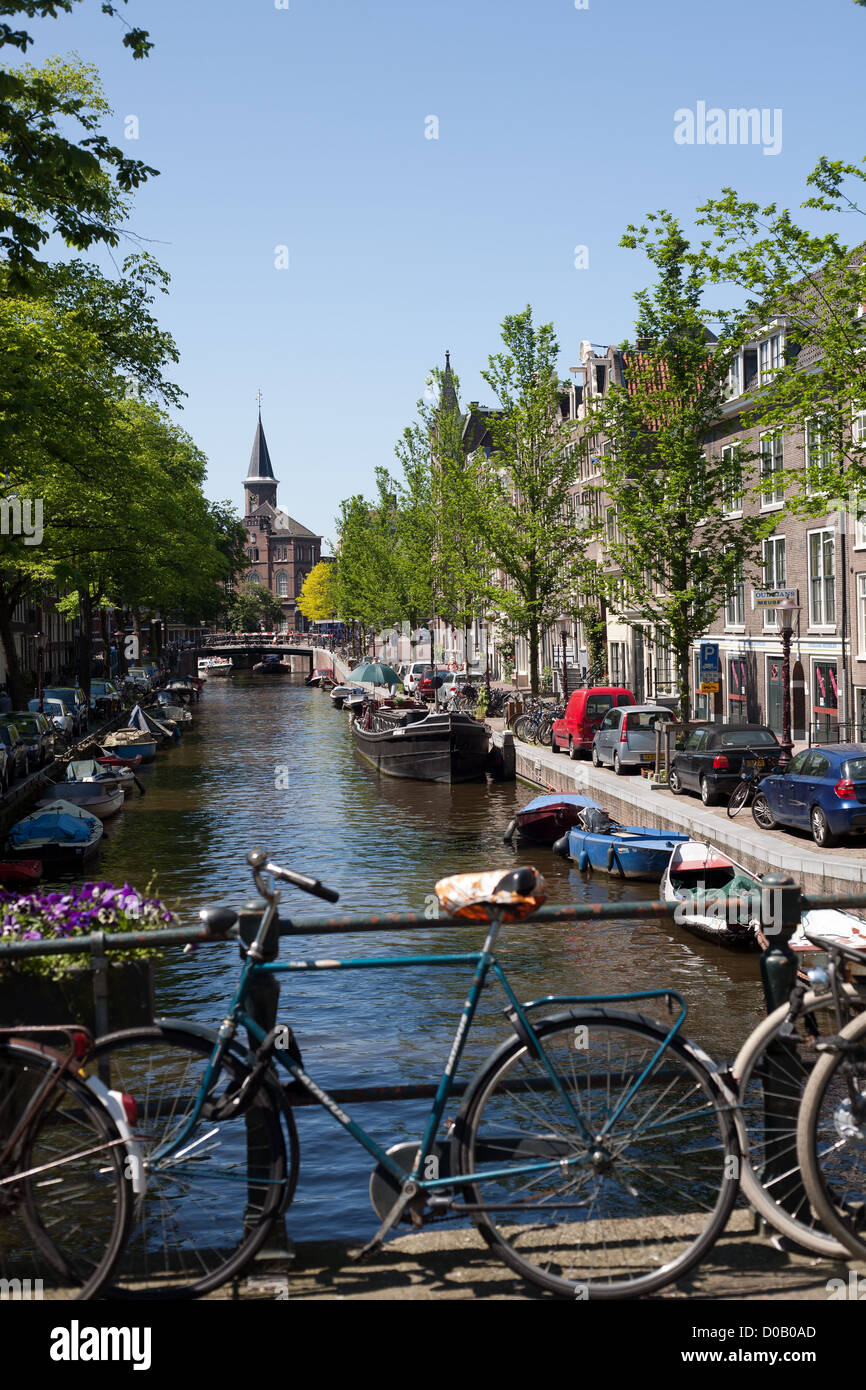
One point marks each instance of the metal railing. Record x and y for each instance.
(833, 731)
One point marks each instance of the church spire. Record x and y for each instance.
(260, 468)
(449, 394)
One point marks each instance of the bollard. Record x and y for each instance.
(780, 1077)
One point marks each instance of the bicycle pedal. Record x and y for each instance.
(372, 1245)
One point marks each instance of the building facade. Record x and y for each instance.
(281, 551)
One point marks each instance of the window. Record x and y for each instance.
(732, 467)
(822, 578)
(735, 609)
(775, 573)
(616, 657)
(861, 615)
(696, 741)
(597, 705)
(734, 381)
(612, 525)
(819, 455)
(282, 585)
(772, 464)
(770, 356)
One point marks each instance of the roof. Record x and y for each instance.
(287, 524)
(260, 469)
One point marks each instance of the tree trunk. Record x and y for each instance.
(14, 679)
(683, 670)
(85, 640)
(106, 641)
(120, 642)
(533, 657)
(136, 632)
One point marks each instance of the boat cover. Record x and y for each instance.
(84, 768)
(51, 826)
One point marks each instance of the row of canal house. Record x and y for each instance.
(824, 558)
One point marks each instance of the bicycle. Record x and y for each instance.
(66, 1199)
(572, 1134)
(754, 771)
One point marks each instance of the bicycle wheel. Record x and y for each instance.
(738, 798)
(831, 1140)
(65, 1200)
(209, 1206)
(639, 1202)
(771, 1072)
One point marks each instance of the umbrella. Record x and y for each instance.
(374, 673)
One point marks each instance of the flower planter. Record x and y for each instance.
(35, 999)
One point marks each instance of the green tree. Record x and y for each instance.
(251, 605)
(816, 285)
(520, 496)
(677, 556)
(319, 594)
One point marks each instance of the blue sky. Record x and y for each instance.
(306, 127)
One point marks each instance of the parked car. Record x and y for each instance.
(105, 699)
(74, 699)
(142, 676)
(58, 715)
(823, 789)
(583, 714)
(711, 761)
(626, 736)
(37, 734)
(16, 750)
(434, 683)
(415, 672)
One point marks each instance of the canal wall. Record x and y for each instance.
(633, 800)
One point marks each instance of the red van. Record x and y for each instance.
(583, 714)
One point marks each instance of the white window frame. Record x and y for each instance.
(770, 353)
(728, 456)
(734, 378)
(771, 503)
(772, 545)
(861, 616)
(820, 621)
(736, 604)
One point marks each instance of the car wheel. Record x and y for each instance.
(572, 751)
(707, 797)
(761, 813)
(617, 765)
(674, 782)
(596, 760)
(821, 832)
(554, 746)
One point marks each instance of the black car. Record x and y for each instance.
(711, 761)
(16, 750)
(37, 734)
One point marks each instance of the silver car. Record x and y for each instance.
(626, 737)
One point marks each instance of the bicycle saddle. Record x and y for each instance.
(472, 896)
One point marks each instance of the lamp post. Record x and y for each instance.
(40, 668)
(564, 622)
(786, 610)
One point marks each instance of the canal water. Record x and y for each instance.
(272, 766)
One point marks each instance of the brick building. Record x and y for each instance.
(280, 550)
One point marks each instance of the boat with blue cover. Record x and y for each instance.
(626, 851)
(63, 832)
(546, 818)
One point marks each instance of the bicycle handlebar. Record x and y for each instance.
(260, 862)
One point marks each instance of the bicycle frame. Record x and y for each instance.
(484, 963)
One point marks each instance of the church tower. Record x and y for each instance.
(260, 484)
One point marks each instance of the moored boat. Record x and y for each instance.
(130, 744)
(271, 666)
(17, 873)
(321, 676)
(720, 900)
(214, 666)
(99, 798)
(61, 832)
(546, 818)
(408, 742)
(626, 851)
(340, 693)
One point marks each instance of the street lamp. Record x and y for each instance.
(40, 667)
(786, 609)
(564, 622)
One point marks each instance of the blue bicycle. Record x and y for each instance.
(595, 1149)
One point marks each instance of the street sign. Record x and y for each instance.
(708, 668)
(771, 598)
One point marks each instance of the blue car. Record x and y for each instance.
(823, 789)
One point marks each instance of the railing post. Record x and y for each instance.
(781, 1074)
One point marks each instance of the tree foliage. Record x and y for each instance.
(319, 594)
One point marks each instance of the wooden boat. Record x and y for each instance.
(720, 900)
(322, 676)
(17, 873)
(627, 851)
(130, 744)
(99, 798)
(61, 832)
(427, 747)
(546, 818)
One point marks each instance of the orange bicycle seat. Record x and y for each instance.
(474, 896)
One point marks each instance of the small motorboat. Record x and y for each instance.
(102, 799)
(161, 730)
(214, 666)
(17, 873)
(186, 689)
(322, 676)
(61, 832)
(354, 702)
(546, 818)
(130, 744)
(626, 851)
(719, 900)
(342, 692)
(271, 666)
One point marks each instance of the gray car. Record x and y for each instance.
(626, 737)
